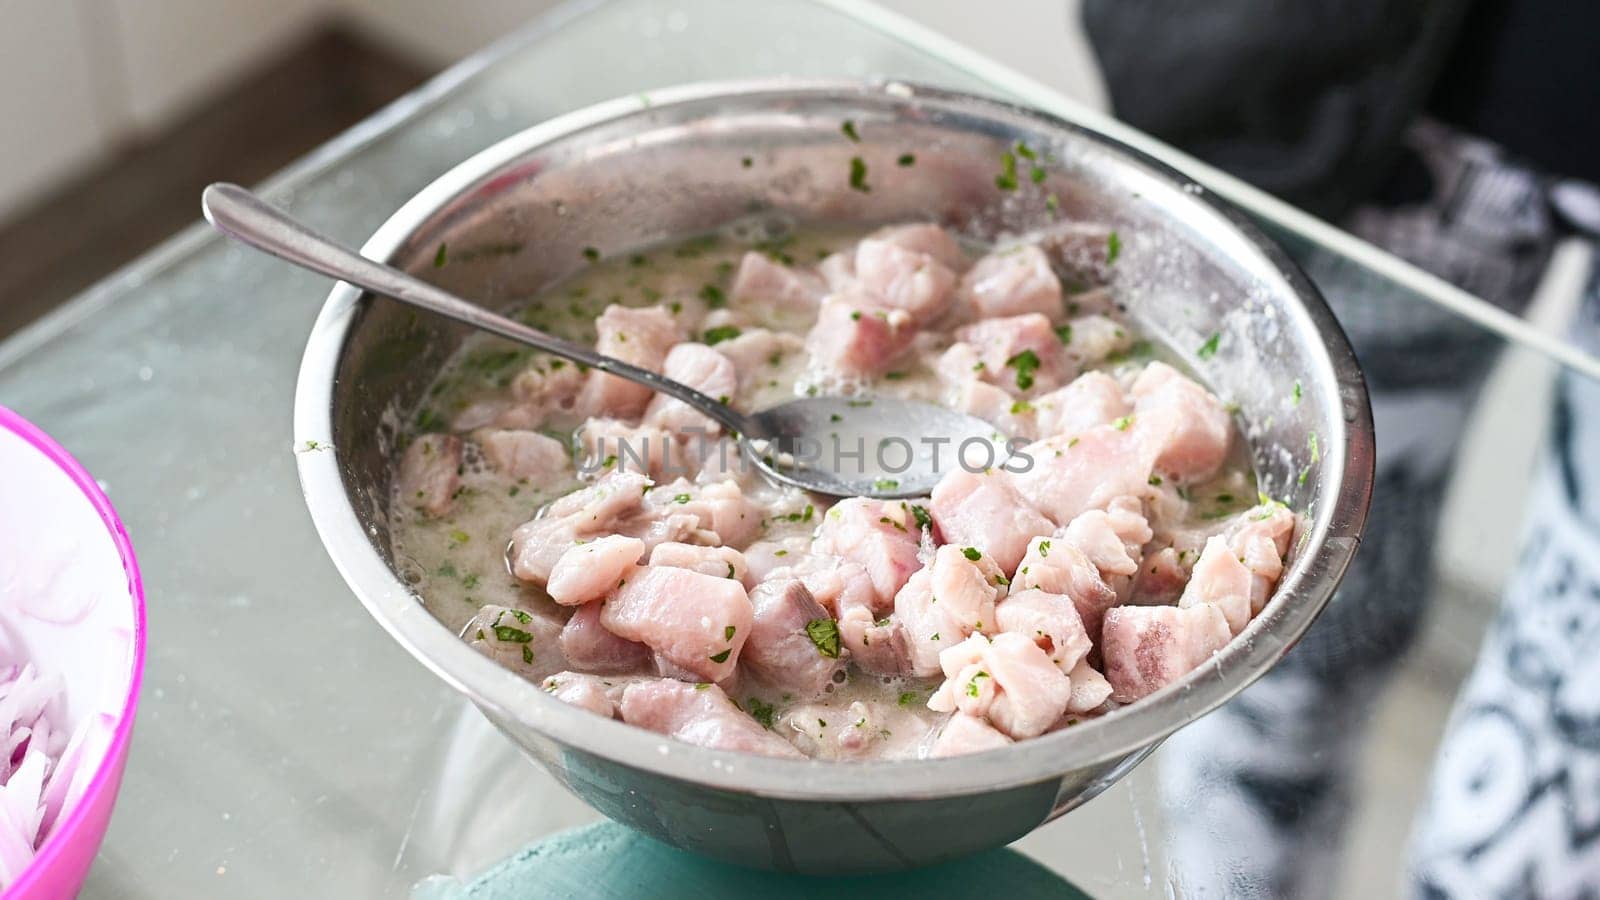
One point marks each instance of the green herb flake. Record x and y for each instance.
(761, 712)
(746, 161)
(1311, 443)
(1209, 348)
(1296, 394)
(514, 635)
(1123, 423)
(849, 129)
(909, 698)
(887, 484)
(1044, 548)
(824, 633)
(1064, 333)
(1113, 247)
(1026, 363)
(728, 633)
(713, 296)
(1155, 480)
(591, 254)
(971, 553)
(681, 498)
(527, 654)
(1007, 179)
(459, 536)
(441, 257)
(858, 175)
(906, 160)
(722, 657)
(715, 336)
(921, 515)
(1020, 407)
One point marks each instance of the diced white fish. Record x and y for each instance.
(963, 734)
(699, 714)
(855, 339)
(1219, 579)
(1021, 353)
(1093, 398)
(641, 336)
(1072, 474)
(901, 280)
(585, 691)
(1187, 427)
(697, 622)
(430, 473)
(926, 238)
(881, 536)
(590, 571)
(1049, 620)
(1011, 282)
(702, 368)
(525, 642)
(718, 562)
(984, 510)
(762, 279)
(539, 458)
(793, 643)
(944, 603)
(614, 445)
(588, 645)
(1146, 648)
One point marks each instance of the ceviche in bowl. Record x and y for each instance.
(774, 677)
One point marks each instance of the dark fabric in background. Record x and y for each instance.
(1308, 99)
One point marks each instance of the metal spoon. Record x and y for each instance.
(841, 446)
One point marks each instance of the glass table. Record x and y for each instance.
(287, 747)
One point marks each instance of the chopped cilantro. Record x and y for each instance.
(1296, 393)
(439, 258)
(921, 515)
(1020, 407)
(459, 536)
(515, 635)
(849, 129)
(747, 162)
(858, 175)
(713, 296)
(715, 336)
(591, 254)
(971, 553)
(886, 484)
(824, 633)
(1155, 480)
(728, 632)
(1044, 548)
(1311, 442)
(721, 657)
(1113, 247)
(527, 654)
(1007, 179)
(907, 159)
(1064, 333)
(1026, 363)
(907, 698)
(1122, 423)
(1209, 348)
(761, 712)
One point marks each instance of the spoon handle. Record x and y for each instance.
(249, 219)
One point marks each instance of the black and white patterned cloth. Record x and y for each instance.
(1259, 792)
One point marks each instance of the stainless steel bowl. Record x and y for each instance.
(642, 170)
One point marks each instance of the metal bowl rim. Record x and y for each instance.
(1335, 535)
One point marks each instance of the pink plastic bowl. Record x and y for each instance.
(65, 554)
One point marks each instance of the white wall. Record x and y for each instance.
(50, 118)
(79, 77)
